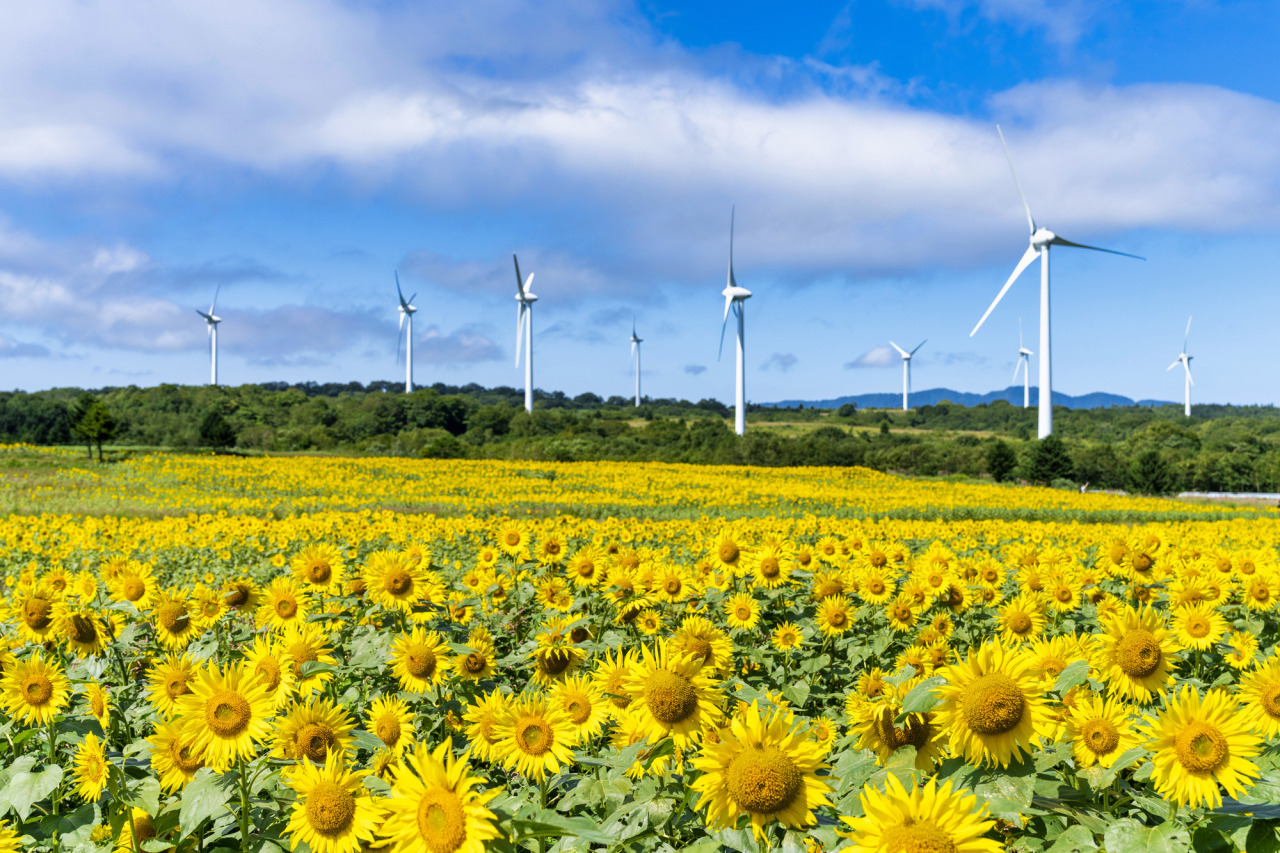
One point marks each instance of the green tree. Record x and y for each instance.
(1001, 460)
(215, 431)
(92, 421)
(1049, 461)
(1150, 475)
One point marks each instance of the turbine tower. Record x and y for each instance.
(734, 297)
(906, 369)
(635, 353)
(212, 320)
(524, 331)
(406, 310)
(1041, 240)
(1185, 361)
(1024, 364)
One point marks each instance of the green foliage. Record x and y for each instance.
(215, 431)
(1049, 461)
(1150, 475)
(1001, 460)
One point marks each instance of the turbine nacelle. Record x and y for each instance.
(211, 319)
(733, 292)
(525, 296)
(1043, 237)
(1025, 351)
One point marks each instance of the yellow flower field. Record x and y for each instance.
(341, 655)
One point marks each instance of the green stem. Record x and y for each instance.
(53, 759)
(542, 799)
(244, 805)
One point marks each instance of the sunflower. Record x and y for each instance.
(135, 584)
(673, 696)
(225, 714)
(921, 819)
(771, 566)
(991, 707)
(99, 702)
(1198, 626)
(611, 676)
(393, 581)
(742, 612)
(728, 552)
(419, 660)
(1136, 654)
(585, 567)
(533, 738)
(699, 637)
(1244, 648)
(834, 617)
(173, 756)
(765, 766)
(90, 768)
(826, 584)
(32, 610)
(583, 703)
(513, 539)
(208, 608)
(272, 668)
(877, 586)
(901, 613)
(313, 731)
(170, 680)
(876, 730)
(649, 622)
(391, 722)
(1200, 743)
(1260, 693)
(787, 636)
(284, 605)
(79, 627)
(175, 627)
(1100, 732)
(305, 643)
(240, 594)
(1260, 592)
(477, 663)
(871, 683)
(674, 584)
(435, 805)
(1021, 619)
(333, 812)
(136, 829)
(482, 717)
(319, 567)
(35, 690)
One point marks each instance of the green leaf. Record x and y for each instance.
(1008, 794)
(1262, 838)
(908, 672)
(26, 787)
(315, 667)
(1073, 675)
(364, 740)
(796, 693)
(206, 796)
(146, 795)
(923, 697)
(1075, 839)
(1128, 836)
(550, 824)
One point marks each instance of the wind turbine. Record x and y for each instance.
(1024, 364)
(906, 369)
(1041, 240)
(1185, 361)
(734, 297)
(635, 353)
(212, 320)
(524, 331)
(406, 310)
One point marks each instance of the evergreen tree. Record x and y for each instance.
(92, 421)
(1150, 475)
(1001, 460)
(215, 431)
(1049, 461)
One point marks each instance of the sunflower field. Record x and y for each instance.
(341, 655)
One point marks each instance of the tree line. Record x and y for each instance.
(1151, 450)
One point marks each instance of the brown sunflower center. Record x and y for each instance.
(1198, 627)
(618, 693)
(330, 808)
(742, 612)
(301, 652)
(513, 538)
(143, 830)
(555, 661)
(184, 756)
(227, 713)
(1142, 562)
(397, 582)
(388, 729)
(992, 704)
(915, 733)
(578, 708)
(37, 689)
(98, 704)
(837, 619)
(1019, 623)
(901, 611)
(1201, 747)
(173, 616)
(1100, 737)
(82, 630)
(36, 613)
(769, 567)
(442, 823)
(728, 551)
(475, 663)
(826, 587)
(878, 559)
(670, 697)
(134, 588)
(700, 648)
(876, 586)
(1138, 654)
(1064, 594)
(319, 572)
(534, 735)
(286, 607)
(923, 836)
(175, 685)
(236, 596)
(1270, 700)
(314, 741)
(268, 672)
(419, 661)
(763, 779)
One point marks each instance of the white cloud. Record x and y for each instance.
(875, 357)
(783, 361)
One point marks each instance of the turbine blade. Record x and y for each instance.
(519, 281)
(528, 283)
(1027, 257)
(1016, 368)
(411, 298)
(633, 349)
(1059, 241)
(1031, 222)
(399, 337)
(1187, 368)
(917, 349)
(1187, 336)
(520, 309)
(900, 350)
(1176, 362)
(732, 282)
(399, 292)
(403, 314)
(724, 324)
(214, 304)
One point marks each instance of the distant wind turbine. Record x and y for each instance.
(524, 331)
(1185, 360)
(212, 320)
(635, 353)
(906, 369)
(734, 299)
(406, 310)
(1041, 240)
(1024, 364)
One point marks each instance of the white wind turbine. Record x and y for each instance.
(906, 369)
(635, 353)
(1024, 364)
(212, 320)
(1041, 240)
(406, 310)
(1185, 361)
(524, 331)
(734, 297)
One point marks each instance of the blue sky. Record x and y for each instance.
(299, 153)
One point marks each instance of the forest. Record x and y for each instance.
(1146, 449)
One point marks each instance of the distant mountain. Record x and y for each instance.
(933, 396)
